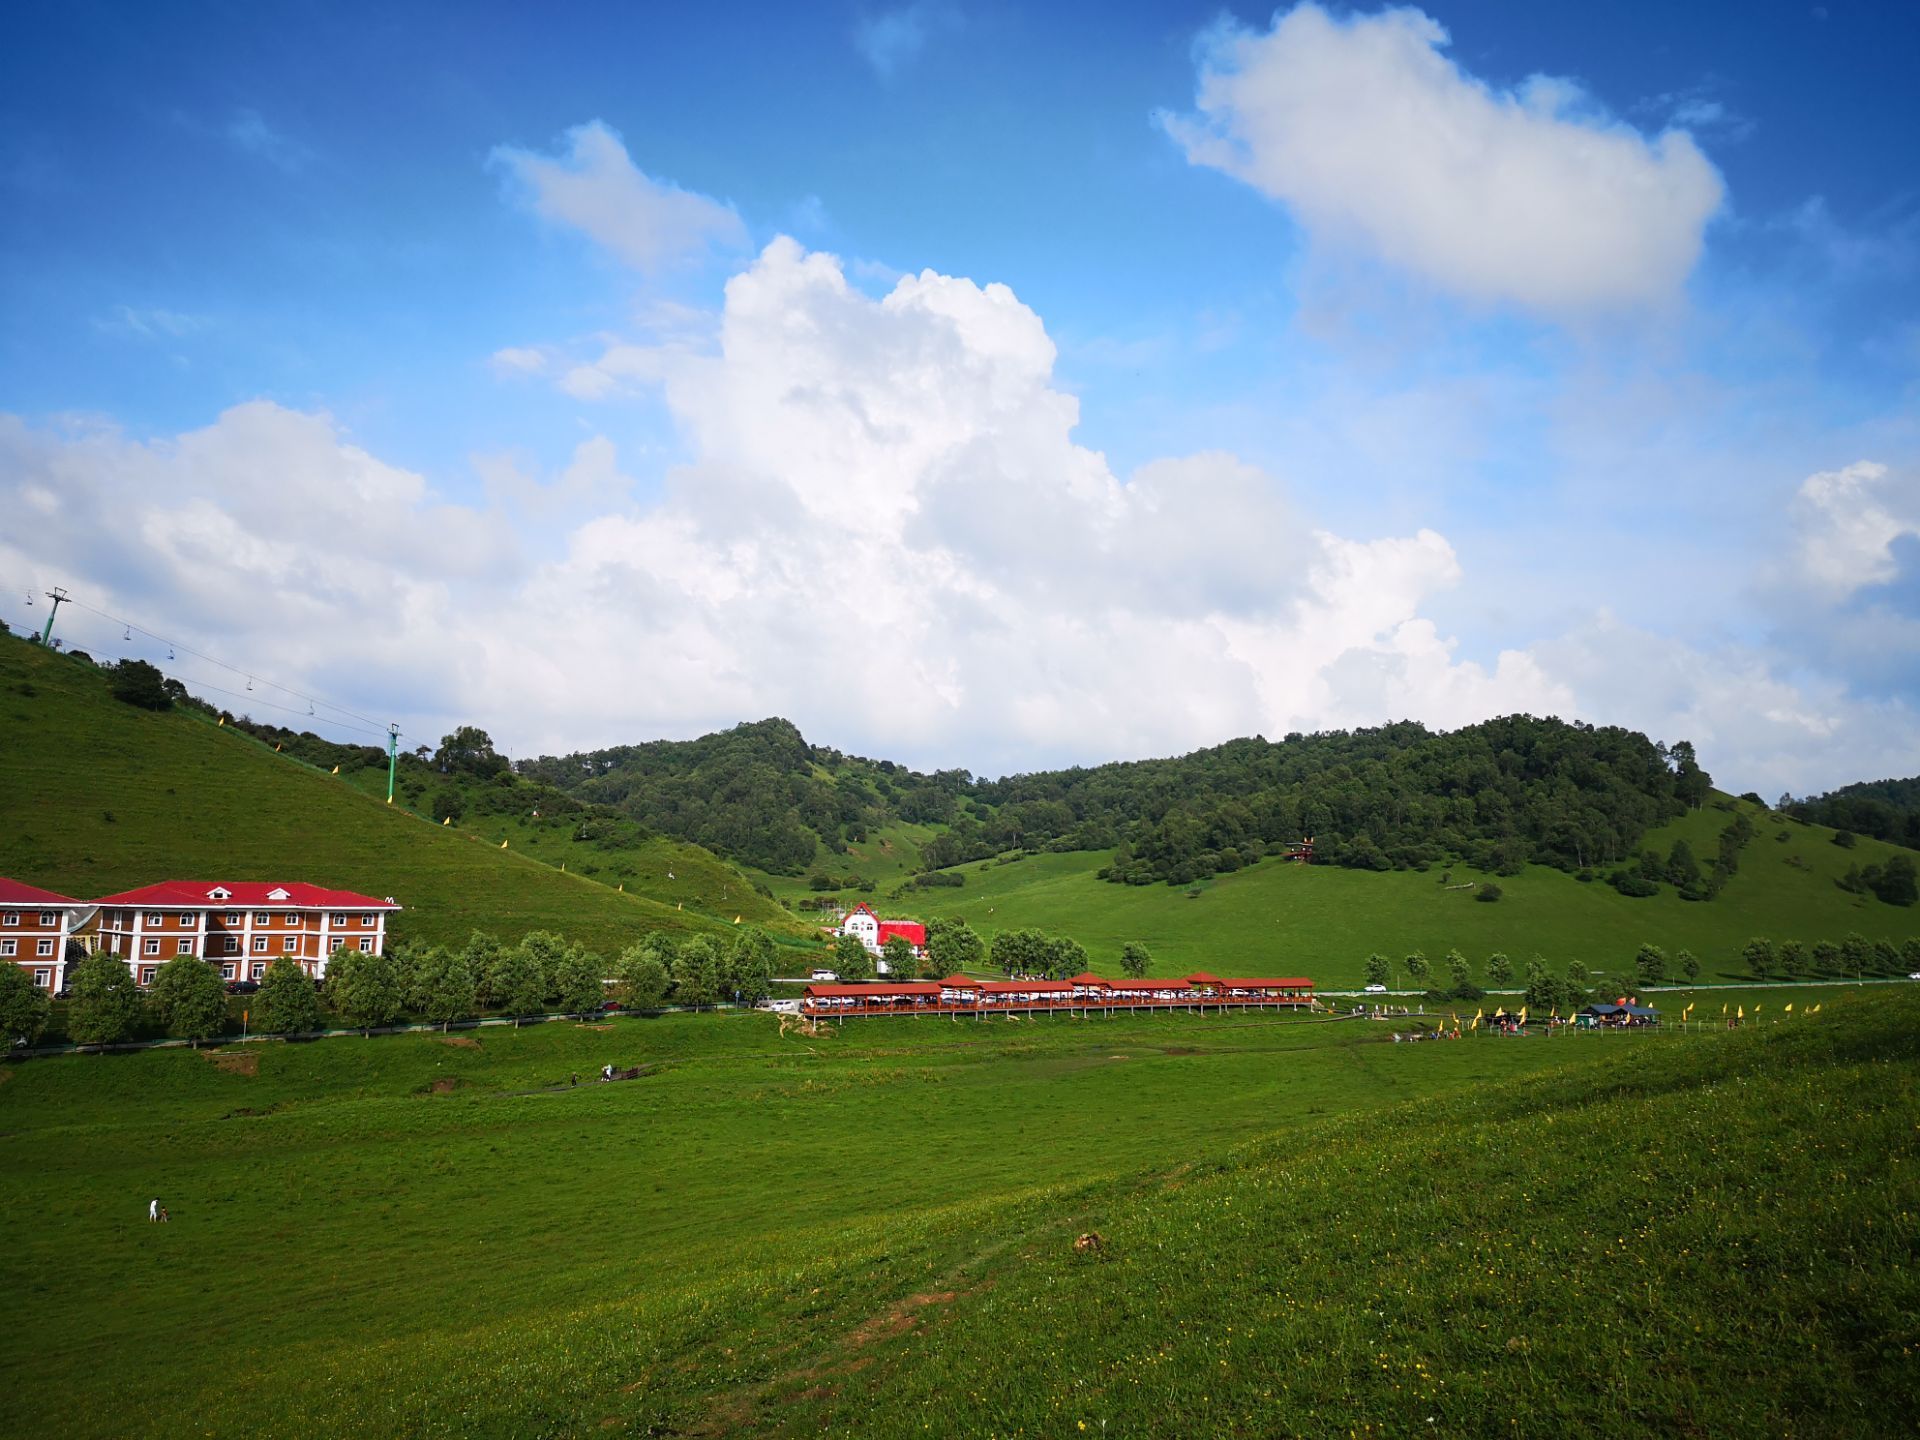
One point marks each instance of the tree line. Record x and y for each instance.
(953, 947)
(438, 984)
(1884, 809)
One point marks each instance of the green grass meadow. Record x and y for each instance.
(1276, 918)
(1306, 1229)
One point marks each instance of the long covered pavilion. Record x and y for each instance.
(964, 995)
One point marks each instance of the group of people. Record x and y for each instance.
(157, 1213)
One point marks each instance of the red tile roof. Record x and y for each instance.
(1300, 983)
(243, 895)
(908, 930)
(1201, 977)
(1151, 984)
(1025, 987)
(15, 892)
(961, 982)
(875, 992)
(1087, 977)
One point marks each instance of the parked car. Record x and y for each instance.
(1376, 989)
(825, 977)
(1914, 976)
(242, 987)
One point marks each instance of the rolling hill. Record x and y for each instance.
(100, 796)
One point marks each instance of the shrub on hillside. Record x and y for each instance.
(135, 682)
(1488, 893)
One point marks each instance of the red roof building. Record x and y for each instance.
(873, 932)
(241, 926)
(35, 926)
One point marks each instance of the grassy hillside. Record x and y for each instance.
(1283, 919)
(100, 796)
(1305, 1231)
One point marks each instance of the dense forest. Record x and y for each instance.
(1884, 809)
(1499, 794)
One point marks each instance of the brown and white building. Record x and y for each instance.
(35, 926)
(238, 926)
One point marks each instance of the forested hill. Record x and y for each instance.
(1885, 809)
(1500, 793)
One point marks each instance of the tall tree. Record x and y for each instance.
(851, 960)
(24, 1006)
(482, 953)
(518, 983)
(753, 960)
(1135, 961)
(1379, 969)
(1650, 964)
(1499, 969)
(898, 955)
(1459, 971)
(1856, 954)
(364, 990)
(1758, 955)
(1019, 952)
(1688, 965)
(1416, 966)
(450, 990)
(952, 947)
(543, 951)
(579, 980)
(287, 1003)
(189, 999)
(1065, 956)
(1793, 956)
(106, 1002)
(641, 980)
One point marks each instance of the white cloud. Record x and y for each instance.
(1847, 521)
(520, 360)
(888, 532)
(248, 131)
(151, 323)
(1370, 135)
(891, 39)
(594, 186)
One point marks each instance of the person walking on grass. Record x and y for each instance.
(153, 1211)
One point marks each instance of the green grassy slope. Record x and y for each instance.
(1281, 919)
(100, 796)
(1307, 1230)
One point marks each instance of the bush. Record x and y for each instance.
(135, 682)
(1632, 885)
(1488, 893)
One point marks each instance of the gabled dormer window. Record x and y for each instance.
(219, 892)
(277, 894)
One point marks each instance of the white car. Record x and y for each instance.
(1376, 989)
(827, 976)
(1914, 976)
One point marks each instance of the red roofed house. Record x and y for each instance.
(241, 926)
(35, 926)
(873, 932)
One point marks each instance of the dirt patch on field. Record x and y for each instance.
(898, 1320)
(236, 1062)
(1118, 1057)
(464, 1042)
(445, 1086)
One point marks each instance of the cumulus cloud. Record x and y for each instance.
(1848, 521)
(887, 530)
(1371, 136)
(594, 186)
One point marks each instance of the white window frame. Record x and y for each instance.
(229, 944)
(43, 947)
(12, 917)
(49, 917)
(152, 945)
(147, 974)
(226, 972)
(366, 944)
(259, 944)
(340, 918)
(155, 917)
(258, 971)
(262, 917)
(232, 917)
(43, 977)
(296, 920)
(366, 920)
(335, 943)
(289, 944)
(183, 946)
(9, 947)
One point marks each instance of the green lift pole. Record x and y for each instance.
(56, 594)
(393, 757)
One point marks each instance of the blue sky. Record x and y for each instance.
(1325, 415)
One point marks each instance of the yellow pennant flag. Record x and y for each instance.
(1756, 1009)
(389, 799)
(1789, 1007)
(678, 905)
(563, 867)
(1723, 1009)
(276, 749)
(1816, 1009)
(223, 721)
(736, 919)
(447, 821)
(503, 844)
(1478, 1013)
(1523, 1014)
(623, 887)
(336, 769)
(1742, 1014)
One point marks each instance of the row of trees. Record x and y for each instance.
(439, 984)
(1856, 956)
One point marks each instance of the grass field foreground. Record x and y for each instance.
(1305, 1228)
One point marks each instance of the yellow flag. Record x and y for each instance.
(736, 919)
(336, 769)
(1756, 1009)
(1523, 1014)
(1743, 1013)
(276, 749)
(223, 721)
(389, 799)
(563, 867)
(447, 821)
(678, 906)
(1477, 1014)
(1816, 1009)
(1723, 1009)
(623, 887)
(1789, 1007)
(503, 844)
